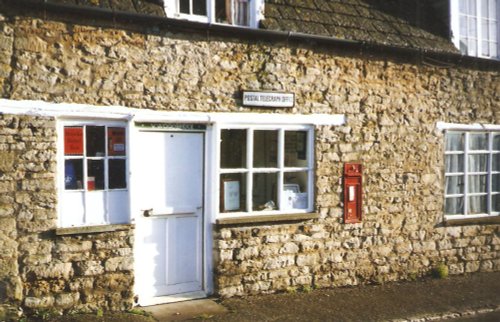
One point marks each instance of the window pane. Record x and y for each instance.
(462, 5)
(493, 9)
(95, 178)
(233, 149)
(73, 174)
(233, 192)
(495, 182)
(200, 7)
(220, 11)
(95, 141)
(265, 149)
(241, 12)
(472, 27)
(295, 194)
(472, 47)
(116, 141)
(463, 27)
(295, 148)
(454, 185)
(73, 140)
(478, 163)
(477, 183)
(264, 191)
(463, 45)
(485, 48)
(454, 206)
(495, 203)
(454, 142)
(117, 174)
(477, 205)
(484, 33)
(478, 142)
(454, 163)
(184, 6)
(496, 162)
(492, 32)
(484, 8)
(472, 7)
(493, 49)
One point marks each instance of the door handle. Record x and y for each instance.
(147, 212)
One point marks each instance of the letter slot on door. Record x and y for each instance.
(352, 192)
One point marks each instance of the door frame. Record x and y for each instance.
(206, 216)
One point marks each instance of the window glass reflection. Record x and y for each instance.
(233, 149)
(117, 171)
(264, 191)
(478, 141)
(95, 179)
(454, 142)
(454, 206)
(73, 174)
(233, 192)
(265, 149)
(295, 149)
(94, 136)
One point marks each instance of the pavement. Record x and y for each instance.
(466, 298)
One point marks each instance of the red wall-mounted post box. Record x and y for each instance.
(353, 197)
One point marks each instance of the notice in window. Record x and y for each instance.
(231, 195)
(73, 141)
(116, 141)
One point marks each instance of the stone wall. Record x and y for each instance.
(40, 270)
(27, 195)
(391, 106)
(79, 273)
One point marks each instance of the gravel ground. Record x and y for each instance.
(391, 301)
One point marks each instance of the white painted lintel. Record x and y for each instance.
(70, 110)
(466, 127)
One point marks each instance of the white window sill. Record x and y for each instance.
(464, 220)
(266, 218)
(92, 229)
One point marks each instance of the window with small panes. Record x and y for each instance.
(94, 185)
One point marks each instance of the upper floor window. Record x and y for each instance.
(472, 171)
(94, 188)
(234, 12)
(476, 27)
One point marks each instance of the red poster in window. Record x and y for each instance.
(73, 141)
(116, 141)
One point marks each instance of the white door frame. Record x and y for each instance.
(208, 216)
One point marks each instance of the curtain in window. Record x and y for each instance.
(240, 12)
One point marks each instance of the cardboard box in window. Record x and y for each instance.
(294, 200)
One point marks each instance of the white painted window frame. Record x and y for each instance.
(249, 170)
(256, 8)
(489, 173)
(61, 157)
(455, 27)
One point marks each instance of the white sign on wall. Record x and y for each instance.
(268, 99)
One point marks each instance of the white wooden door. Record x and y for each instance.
(169, 223)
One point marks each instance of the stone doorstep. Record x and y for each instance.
(180, 311)
(450, 315)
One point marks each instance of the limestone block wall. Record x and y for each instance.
(40, 270)
(80, 273)
(27, 195)
(391, 105)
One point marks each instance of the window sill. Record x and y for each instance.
(472, 221)
(92, 229)
(266, 219)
